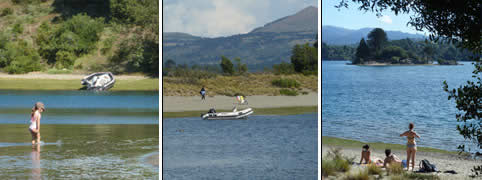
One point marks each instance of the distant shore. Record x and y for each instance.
(44, 81)
(386, 64)
(444, 160)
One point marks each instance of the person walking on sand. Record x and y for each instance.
(35, 116)
(203, 93)
(411, 145)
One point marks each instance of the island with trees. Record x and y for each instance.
(378, 50)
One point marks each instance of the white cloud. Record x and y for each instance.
(213, 18)
(385, 19)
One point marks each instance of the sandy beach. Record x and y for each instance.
(194, 103)
(444, 162)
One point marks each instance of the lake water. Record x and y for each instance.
(376, 104)
(261, 147)
(87, 135)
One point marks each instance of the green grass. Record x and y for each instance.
(325, 140)
(258, 111)
(55, 84)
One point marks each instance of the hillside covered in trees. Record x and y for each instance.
(59, 36)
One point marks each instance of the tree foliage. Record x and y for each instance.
(78, 36)
(377, 39)
(18, 57)
(362, 52)
(227, 66)
(305, 59)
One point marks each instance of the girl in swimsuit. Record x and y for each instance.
(411, 145)
(34, 127)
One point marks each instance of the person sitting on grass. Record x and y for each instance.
(392, 159)
(365, 155)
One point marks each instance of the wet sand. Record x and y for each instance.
(444, 162)
(194, 103)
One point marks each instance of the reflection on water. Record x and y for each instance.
(35, 155)
(86, 152)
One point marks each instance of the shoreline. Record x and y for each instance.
(296, 110)
(444, 160)
(54, 82)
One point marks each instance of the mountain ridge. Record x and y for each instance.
(334, 35)
(262, 47)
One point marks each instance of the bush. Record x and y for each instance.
(64, 59)
(77, 36)
(360, 175)
(283, 68)
(288, 92)
(374, 170)
(136, 54)
(395, 168)
(327, 168)
(17, 28)
(6, 12)
(285, 83)
(227, 66)
(19, 57)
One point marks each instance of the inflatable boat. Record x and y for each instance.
(213, 115)
(100, 81)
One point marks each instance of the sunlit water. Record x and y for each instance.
(261, 147)
(376, 104)
(86, 135)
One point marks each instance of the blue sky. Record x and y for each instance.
(214, 18)
(352, 18)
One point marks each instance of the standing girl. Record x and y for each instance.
(34, 127)
(411, 145)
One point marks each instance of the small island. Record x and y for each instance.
(378, 51)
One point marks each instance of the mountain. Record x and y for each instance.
(262, 47)
(301, 21)
(333, 35)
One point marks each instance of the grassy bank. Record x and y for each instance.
(71, 84)
(257, 111)
(339, 142)
(248, 85)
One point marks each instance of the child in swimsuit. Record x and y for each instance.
(35, 116)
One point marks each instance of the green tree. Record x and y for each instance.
(242, 68)
(227, 65)
(362, 52)
(428, 52)
(393, 51)
(460, 23)
(377, 38)
(305, 59)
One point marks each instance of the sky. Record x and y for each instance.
(352, 18)
(215, 18)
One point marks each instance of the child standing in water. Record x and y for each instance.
(34, 127)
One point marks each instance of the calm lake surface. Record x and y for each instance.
(261, 147)
(87, 135)
(376, 104)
